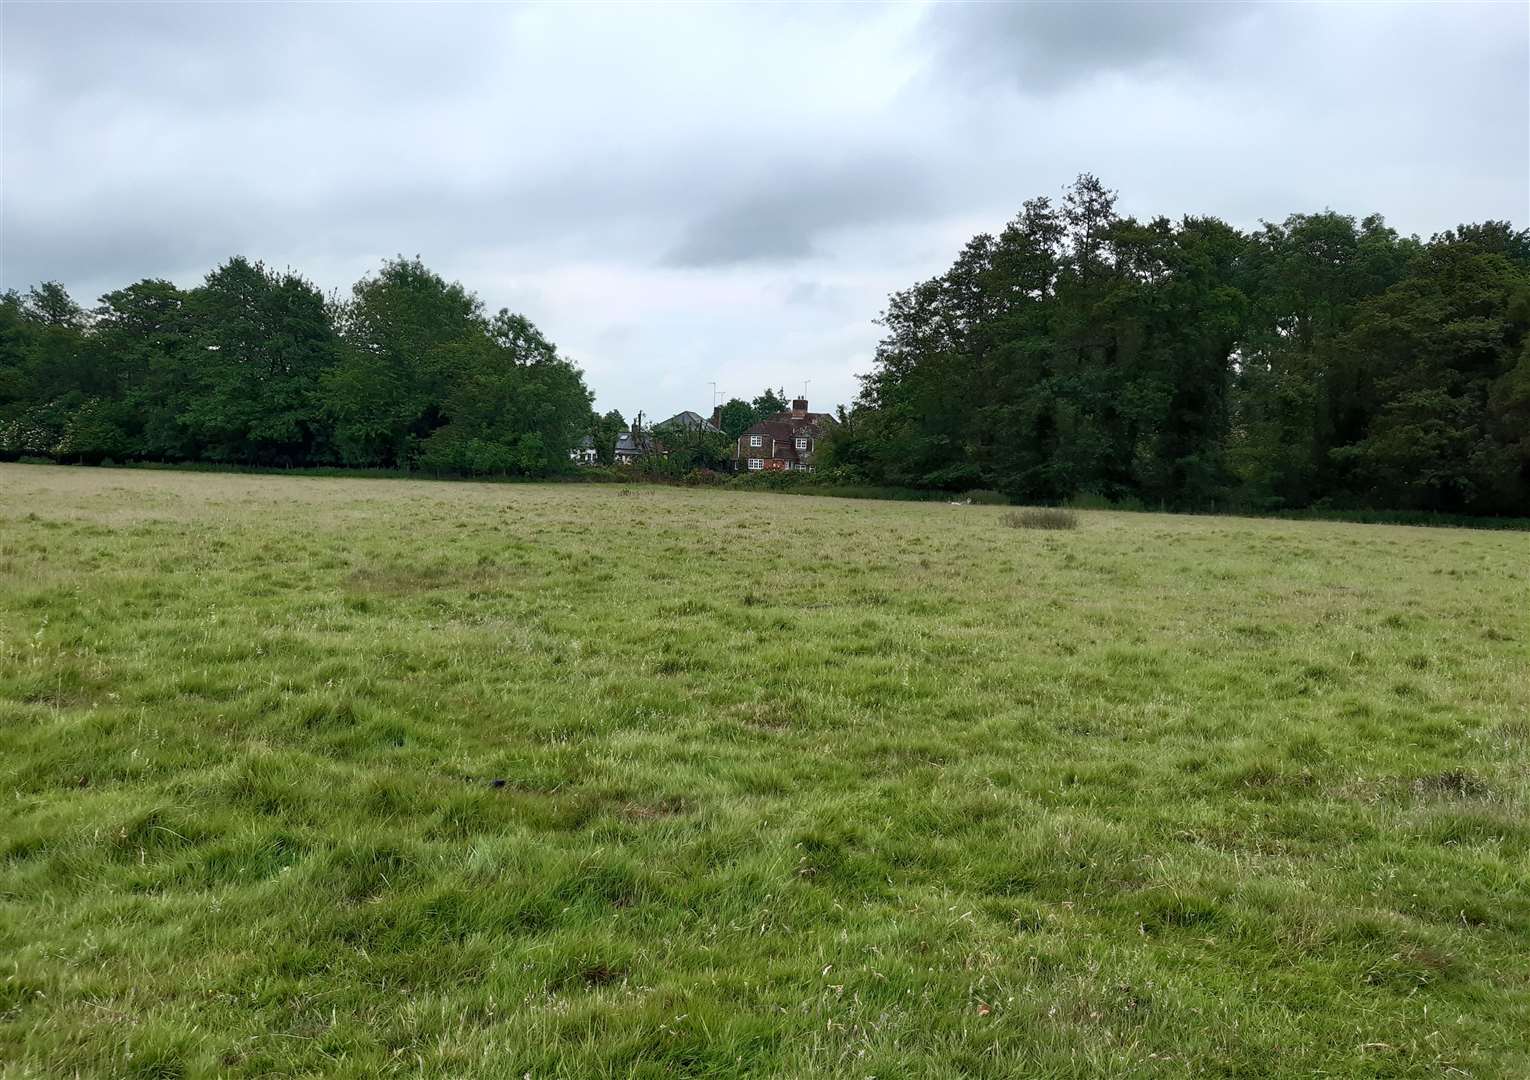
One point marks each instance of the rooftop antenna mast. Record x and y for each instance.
(805, 386)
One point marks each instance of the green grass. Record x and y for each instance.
(373, 777)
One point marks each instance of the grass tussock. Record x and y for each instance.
(1042, 517)
(342, 777)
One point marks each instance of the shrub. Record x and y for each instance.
(1042, 517)
(1093, 500)
(773, 480)
(599, 474)
(986, 497)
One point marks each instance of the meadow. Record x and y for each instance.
(366, 778)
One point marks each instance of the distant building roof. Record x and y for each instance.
(687, 421)
(783, 429)
(784, 425)
(626, 443)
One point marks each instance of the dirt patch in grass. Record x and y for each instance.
(655, 810)
(1451, 784)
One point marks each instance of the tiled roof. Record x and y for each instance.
(688, 421)
(785, 426)
(626, 444)
(781, 429)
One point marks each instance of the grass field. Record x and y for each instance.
(374, 777)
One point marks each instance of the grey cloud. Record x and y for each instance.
(1047, 45)
(813, 294)
(118, 228)
(209, 56)
(92, 260)
(784, 217)
(583, 162)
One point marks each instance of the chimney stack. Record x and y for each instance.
(717, 417)
(799, 408)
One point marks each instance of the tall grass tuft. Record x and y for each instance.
(1042, 517)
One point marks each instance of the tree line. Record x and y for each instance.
(256, 367)
(1320, 361)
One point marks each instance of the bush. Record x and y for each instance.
(802, 483)
(1042, 517)
(703, 477)
(1093, 500)
(598, 474)
(773, 480)
(986, 497)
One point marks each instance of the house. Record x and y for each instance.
(584, 453)
(689, 421)
(642, 442)
(784, 441)
(631, 445)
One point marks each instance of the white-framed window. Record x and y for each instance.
(800, 442)
(755, 463)
(756, 440)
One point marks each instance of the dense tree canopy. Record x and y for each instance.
(254, 367)
(604, 431)
(739, 415)
(1322, 360)
(1318, 361)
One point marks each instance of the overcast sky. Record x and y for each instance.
(679, 195)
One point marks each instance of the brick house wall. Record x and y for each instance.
(785, 441)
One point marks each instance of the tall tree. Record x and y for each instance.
(1300, 395)
(51, 370)
(263, 346)
(146, 332)
(1445, 345)
(49, 304)
(402, 331)
(769, 402)
(604, 431)
(737, 416)
(512, 405)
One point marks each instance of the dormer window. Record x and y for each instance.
(756, 440)
(800, 442)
